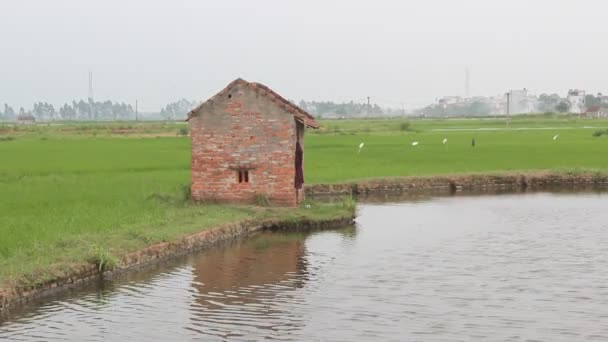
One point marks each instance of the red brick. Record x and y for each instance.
(244, 131)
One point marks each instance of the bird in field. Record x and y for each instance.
(445, 140)
(360, 147)
(555, 136)
(415, 143)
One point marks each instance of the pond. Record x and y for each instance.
(519, 267)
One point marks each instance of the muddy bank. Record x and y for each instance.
(477, 183)
(85, 273)
(381, 188)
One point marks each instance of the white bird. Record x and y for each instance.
(555, 136)
(360, 147)
(415, 143)
(445, 140)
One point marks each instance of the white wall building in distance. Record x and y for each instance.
(576, 98)
(520, 101)
(446, 101)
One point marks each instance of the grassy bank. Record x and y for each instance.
(69, 192)
(64, 199)
(334, 158)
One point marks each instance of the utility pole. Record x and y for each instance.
(91, 102)
(467, 84)
(136, 112)
(508, 107)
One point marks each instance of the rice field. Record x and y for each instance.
(69, 190)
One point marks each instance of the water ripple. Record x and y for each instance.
(491, 268)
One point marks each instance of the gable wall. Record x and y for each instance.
(246, 131)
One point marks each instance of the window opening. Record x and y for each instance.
(243, 176)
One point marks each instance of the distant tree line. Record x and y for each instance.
(77, 110)
(553, 102)
(346, 109)
(542, 103)
(595, 101)
(177, 110)
(93, 110)
(107, 110)
(474, 108)
(83, 110)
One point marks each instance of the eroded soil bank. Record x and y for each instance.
(81, 274)
(437, 185)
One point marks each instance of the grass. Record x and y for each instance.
(103, 259)
(77, 193)
(63, 197)
(332, 158)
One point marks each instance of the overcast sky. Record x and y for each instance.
(158, 51)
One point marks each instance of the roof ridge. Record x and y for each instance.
(294, 109)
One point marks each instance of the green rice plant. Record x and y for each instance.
(103, 259)
(186, 192)
(349, 203)
(71, 190)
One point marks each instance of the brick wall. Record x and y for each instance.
(243, 130)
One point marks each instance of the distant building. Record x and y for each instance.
(26, 119)
(596, 112)
(498, 104)
(446, 101)
(576, 97)
(603, 98)
(520, 102)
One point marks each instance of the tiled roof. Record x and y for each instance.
(300, 114)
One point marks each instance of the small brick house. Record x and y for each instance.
(248, 145)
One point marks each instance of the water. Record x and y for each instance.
(489, 268)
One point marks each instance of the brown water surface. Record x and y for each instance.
(530, 267)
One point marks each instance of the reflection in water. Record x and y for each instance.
(266, 258)
(233, 292)
(528, 267)
(243, 284)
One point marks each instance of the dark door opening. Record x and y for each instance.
(299, 181)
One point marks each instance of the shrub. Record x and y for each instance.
(600, 132)
(8, 138)
(262, 200)
(186, 192)
(161, 198)
(349, 203)
(183, 132)
(183, 195)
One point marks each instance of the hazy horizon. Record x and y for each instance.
(392, 51)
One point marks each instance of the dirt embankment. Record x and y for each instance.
(514, 182)
(162, 251)
(474, 183)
